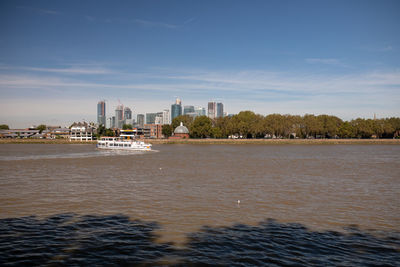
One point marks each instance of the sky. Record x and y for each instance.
(59, 58)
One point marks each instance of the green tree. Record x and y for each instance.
(257, 127)
(202, 128)
(216, 132)
(167, 130)
(185, 119)
(346, 130)
(4, 127)
(363, 128)
(41, 128)
(109, 132)
(313, 125)
(226, 126)
(275, 125)
(329, 125)
(243, 123)
(127, 127)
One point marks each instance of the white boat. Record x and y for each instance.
(122, 144)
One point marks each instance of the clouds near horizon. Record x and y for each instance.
(339, 58)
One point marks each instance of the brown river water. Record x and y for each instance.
(183, 188)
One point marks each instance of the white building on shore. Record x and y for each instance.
(81, 132)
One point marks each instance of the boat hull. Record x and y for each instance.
(120, 144)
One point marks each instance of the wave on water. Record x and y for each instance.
(91, 154)
(68, 239)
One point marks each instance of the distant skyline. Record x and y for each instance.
(59, 58)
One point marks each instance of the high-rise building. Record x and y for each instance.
(119, 116)
(212, 110)
(113, 122)
(151, 118)
(127, 113)
(166, 117)
(188, 109)
(200, 111)
(220, 110)
(159, 118)
(101, 113)
(140, 120)
(128, 116)
(176, 109)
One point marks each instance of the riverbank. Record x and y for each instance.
(224, 141)
(278, 141)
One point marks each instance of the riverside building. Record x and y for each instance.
(140, 120)
(166, 117)
(151, 118)
(81, 132)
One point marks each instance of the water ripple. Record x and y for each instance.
(91, 154)
(68, 239)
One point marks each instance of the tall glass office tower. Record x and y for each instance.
(176, 109)
(101, 113)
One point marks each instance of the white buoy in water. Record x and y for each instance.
(160, 168)
(238, 201)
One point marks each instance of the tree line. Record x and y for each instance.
(247, 124)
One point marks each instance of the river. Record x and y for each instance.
(186, 195)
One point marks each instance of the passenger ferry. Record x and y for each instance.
(122, 144)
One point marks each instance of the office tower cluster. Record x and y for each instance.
(215, 110)
(124, 115)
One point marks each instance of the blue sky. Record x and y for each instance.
(59, 58)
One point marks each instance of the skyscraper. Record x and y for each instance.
(166, 117)
(188, 109)
(127, 116)
(212, 110)
(101, 113)
(151, 118)
(140, 120)
(176, 109)
(119, 116)
(220, 110)
(200, 111)
(127, 113)
(113, 122)
(159, 118)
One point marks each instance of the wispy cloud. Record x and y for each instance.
(39, 10)
(90, 18)
(264, 92)
(382, 48)
(69, 70)
(328, 61)
(148, 23)
(190, 20)
(251, 82)
(72, 70)
(387, 48)
(156, 24)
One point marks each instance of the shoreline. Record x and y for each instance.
(222, 141)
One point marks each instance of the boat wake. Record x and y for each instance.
(92, 154)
